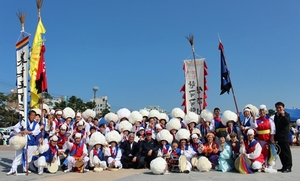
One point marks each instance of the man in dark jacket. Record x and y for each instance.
(149, 149)
(282, 136)
(130, 157)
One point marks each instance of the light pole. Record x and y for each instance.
(95, 89)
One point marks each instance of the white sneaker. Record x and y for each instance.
(86, 170)
(66, 171)
(26, 171)
(40, 173)
(10, 173)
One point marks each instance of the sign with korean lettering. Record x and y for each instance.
(194, 91)
(22, 54)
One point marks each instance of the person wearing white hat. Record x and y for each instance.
(49, 127)
(140, 135)
(252, 150)
(265, 130)
(58, 117)
(78, 152)
(115, 154)
(249, 116)
(32, 130)
(48, 153)
(195, 143)
(98, 151)
(81, 129)
(206, 118)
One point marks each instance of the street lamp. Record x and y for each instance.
(95, 89)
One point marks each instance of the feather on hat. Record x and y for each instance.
(177, 112)
(113, 136)
(228, 116)
(144, 112)
(111, 117)
(68, 113)
(125, 126)
(123, 113)
(135, 116)
(206, 115)
(97, 138)
(191, 117)
(173, 124)
(183, 134)
(88, 113)
(164, 135)
(154, 114)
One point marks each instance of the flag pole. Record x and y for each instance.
(39, 4)
(22, 16)
(234, 98)
(191, 40)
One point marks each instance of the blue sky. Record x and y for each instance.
(133, 50)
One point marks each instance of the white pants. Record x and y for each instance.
(95, 161)
(256, 165)
(41, 163)
(71, 162)
(18, 157)
(117, 163)
(188, 165)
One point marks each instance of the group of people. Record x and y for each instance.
(148, 139)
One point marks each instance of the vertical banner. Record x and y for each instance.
(22, 54)
(191, 97)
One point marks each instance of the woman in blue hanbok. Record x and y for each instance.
(225, 158)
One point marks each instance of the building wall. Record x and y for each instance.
(101, 104)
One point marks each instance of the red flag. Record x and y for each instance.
(41, 79)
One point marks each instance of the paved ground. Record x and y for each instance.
(6, 156)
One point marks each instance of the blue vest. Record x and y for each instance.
(31, 140)
(49, 155)
(248, 123)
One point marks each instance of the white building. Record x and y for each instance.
(101, 104)
(149, 108)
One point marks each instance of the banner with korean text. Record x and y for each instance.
(194, 101)
(22, 59)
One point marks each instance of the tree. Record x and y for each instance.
(105, 111)
(271, 112)
(60, 105)
(90, 104)
(76, 104)
(8, 114)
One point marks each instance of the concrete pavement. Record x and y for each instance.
(6, 156)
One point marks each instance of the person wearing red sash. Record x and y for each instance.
(252, 149)
(216, 124)
(78, 152)
(206, 118)
(80, 129)
(173, 126)
(97, 158)
(111, 119)
(265, 130)
(115, 154)
(48, 154)
(58, 118)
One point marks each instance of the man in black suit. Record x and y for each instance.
(130, 157)
(282, 136)
(149, 149)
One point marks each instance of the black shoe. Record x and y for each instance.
(186, 171)
(280, 170)
(286, 170)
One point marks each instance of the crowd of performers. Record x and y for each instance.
(63, 139)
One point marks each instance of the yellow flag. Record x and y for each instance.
(34, 62)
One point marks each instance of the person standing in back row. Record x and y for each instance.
(282, 136)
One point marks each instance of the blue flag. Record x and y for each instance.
(225, 79)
